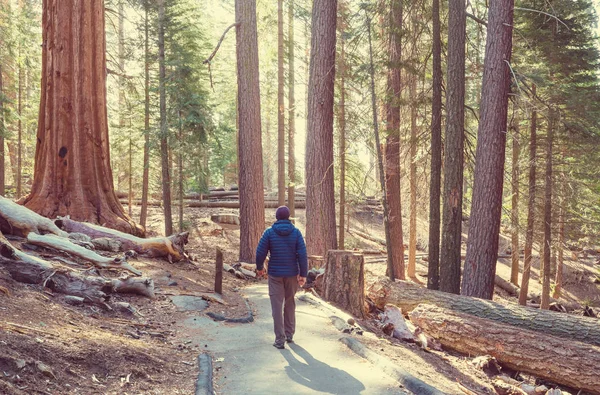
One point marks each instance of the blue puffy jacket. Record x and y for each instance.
(288, 251)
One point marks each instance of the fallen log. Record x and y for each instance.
(32, 270)
(565, 362)
(65, 245)
(20, 221)
(407, 296)
(171, 247)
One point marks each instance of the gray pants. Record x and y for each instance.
(283, 306)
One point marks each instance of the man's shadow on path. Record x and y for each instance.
(317, 375)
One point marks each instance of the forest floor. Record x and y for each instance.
(50, 347)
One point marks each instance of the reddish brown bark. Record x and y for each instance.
(280, 108)
(392, 147)
(164, 131)
(484, 223)
(2, 180)
(454, 146)
(72, 160)
(343, 12)
(321, 233)
(292, 113)
(252, 213)
(433, 270)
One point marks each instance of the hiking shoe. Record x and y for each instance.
(289, 339)
(280, 346)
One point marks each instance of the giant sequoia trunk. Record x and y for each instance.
(454, 145)
(72, 160)
(433, 269)
(565, 362)
(392, 146)
(252, 213)
(484, 224)
(320, 198)
(407, 296)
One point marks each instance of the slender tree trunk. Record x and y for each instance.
(180, 175)
(280, 108)
(514, 214)
(433, 270)
(2, 132)
(72, 162)
(561, 233)
(530, 206)
(412, 244)
(252, 212)
(454, 146)
(545, 304)
(484, 223)
(18, 181)
(320, 197)
(292, 112)
(146, 174)
(268, 148)
(391, 269)
(164, 131)
(393, 218)
(122, 101)
(342, 123)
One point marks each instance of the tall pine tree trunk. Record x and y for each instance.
(530, 206)
(72, 162)
(342, 123)
(280, 108)
(545, 303)
(514, 213)
(395, 243)
(292, 113)
(412, 243)
(146, 173)
(180, 173)
(561, 229)
(164, 131)
(252, 211)
(2, 131)
(433, 270)
(454, 146)
(20, 76)
(484, 223)
(320, 197)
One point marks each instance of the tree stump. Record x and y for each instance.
(344, 282)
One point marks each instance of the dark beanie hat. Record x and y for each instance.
(282, 213)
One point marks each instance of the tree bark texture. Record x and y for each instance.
(72, 160)
(545, 303)
(514, 213)
(454, 149)
(407, 296)
(291, 112)
(2, 131)
(433, 266)
(280, 108)
(392, 146)
(344, 283)
(530, 206)
(412, 241)
(320, 198)
(342, 123)
(252, 213)
(569, 363)
(484, 223)
(561, 227)
(164, 128)
(146, 173)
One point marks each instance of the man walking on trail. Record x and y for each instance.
(288, 267)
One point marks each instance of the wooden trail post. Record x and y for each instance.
(219, 272)
(344, 281)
